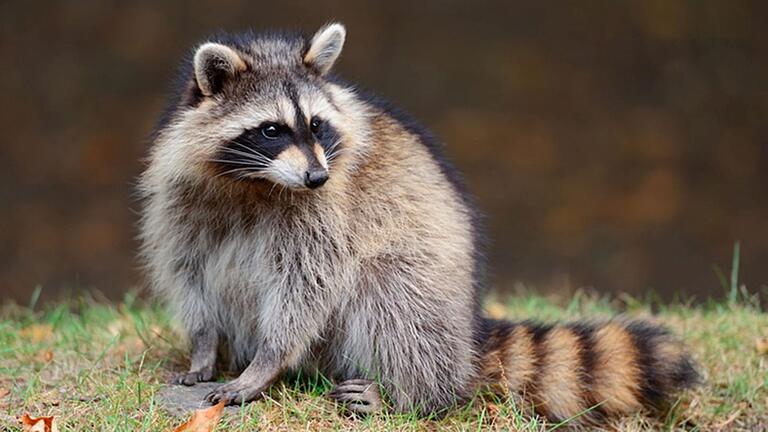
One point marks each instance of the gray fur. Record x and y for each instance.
(367, 277)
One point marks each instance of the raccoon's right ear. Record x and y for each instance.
(214, 64)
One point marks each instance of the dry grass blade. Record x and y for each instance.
(728, 421)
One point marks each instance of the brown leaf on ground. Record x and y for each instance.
(39, 424)
(493, 413)
(203, 420)
(4, 392)
(46, 356)
(761, 344)
(37, 332)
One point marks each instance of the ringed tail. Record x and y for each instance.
(585, 370)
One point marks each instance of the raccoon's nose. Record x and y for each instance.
(315, 178)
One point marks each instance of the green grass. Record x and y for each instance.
(98, 367)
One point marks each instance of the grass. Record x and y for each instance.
(98, 367)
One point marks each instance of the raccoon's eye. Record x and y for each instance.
(315, 124)
(270, 131)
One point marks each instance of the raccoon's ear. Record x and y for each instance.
(214, 64)
(325, 47)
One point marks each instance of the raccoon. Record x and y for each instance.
(292, 222)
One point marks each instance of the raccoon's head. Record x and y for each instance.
(261, 109)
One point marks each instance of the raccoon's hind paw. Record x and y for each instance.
(360, 396)
(194, 377)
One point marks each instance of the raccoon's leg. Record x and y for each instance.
(203, 365)
(193, 310)
(291, 318)
(255, 379)
(360, 396)
(413, 332)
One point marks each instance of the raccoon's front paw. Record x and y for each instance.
(193, 377)
(234, 392)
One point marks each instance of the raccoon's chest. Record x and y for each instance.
(276, 254)
(241, 265)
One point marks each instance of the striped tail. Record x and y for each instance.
(586, 370)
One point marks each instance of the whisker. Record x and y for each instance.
(332, 157)
(250, 150)
(237, 170)
(334, 145)
(274, 185)
(335, 152)
(241, 155)
(249, 155)
(238, 162)
(246, 157)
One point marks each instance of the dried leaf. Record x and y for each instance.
(4, 392)
(46, 356)
(203, 420)
(493, 409)
(37, 332)
(493, 413)
(39, 424)
(761, 344)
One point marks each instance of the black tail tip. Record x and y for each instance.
(667, 368)
(685, 373)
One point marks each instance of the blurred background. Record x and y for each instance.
(619, 146)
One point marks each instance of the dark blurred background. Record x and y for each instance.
(615, 145)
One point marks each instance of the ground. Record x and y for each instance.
(99, 366)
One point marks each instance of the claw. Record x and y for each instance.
(359, 396)
(193, 377)
(233, 393)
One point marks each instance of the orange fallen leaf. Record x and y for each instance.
(493, 412)
(39, 424)
(37, 332)
(761, 344)
(46, 356)
(203, 420)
